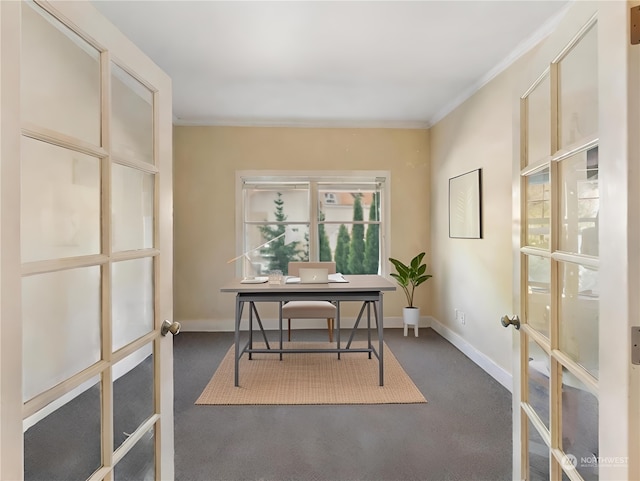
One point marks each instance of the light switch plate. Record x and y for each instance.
(634, 30)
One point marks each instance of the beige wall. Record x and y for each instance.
(205, 162)
(475, 275)
(472, 275)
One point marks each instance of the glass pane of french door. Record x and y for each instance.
(580, 425)
(559, 253)
(133, 396)
(538, 296)
(61, 315)
(60, 199)
(579, 203)
(538, 209)
(132, 300)
(578, 91)
(538, 374)
(88, 229)
(46, 45)
(539, 121)
(132, 208)
(139, 463)
(132, 122)
(79, 455)
(578, 314)
(538, 455)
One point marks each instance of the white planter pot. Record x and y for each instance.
(411, 317)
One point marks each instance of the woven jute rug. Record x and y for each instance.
(311, 378)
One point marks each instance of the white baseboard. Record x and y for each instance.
(227, 325)
(485, 362)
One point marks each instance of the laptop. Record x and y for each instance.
(313, 275)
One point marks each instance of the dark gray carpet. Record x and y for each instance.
(463, 433)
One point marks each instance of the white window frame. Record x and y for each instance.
(383, 178)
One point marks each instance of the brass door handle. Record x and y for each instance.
(172, 327)
(513, 321)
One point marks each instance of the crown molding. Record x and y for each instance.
(539, 35)
(311, 124)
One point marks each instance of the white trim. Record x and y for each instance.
(543, 32)
(305, 124)
(486, 363)
(337, 176)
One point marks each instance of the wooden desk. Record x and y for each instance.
(367, 289)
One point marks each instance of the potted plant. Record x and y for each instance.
(409, 277)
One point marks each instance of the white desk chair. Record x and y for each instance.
(310, 309)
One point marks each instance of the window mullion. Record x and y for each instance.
(314, 254)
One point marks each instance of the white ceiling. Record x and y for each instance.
(328, 63)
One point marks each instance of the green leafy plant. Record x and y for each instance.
(410, 276)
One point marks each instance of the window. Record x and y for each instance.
(330, 198)
(287, 217)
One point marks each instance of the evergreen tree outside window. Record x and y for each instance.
(342, 250)
(325, 247)
(278, 251)
(325, 211)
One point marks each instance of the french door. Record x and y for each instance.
(575, 390)
(86, 266)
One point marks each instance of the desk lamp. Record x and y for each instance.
(290, 235)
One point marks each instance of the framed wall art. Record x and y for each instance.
(465, 205)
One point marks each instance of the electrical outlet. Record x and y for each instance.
(462, 319)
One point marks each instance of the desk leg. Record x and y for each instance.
(251, 309)
(239, 306)
(380, 324)
(338, 326)
(280, 326)
(369, 327)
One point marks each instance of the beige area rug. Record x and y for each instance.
(311, 378)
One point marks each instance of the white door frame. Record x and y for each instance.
(11, 446)
(619, 107)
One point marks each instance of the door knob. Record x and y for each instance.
(513, 321)
(172, 327)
